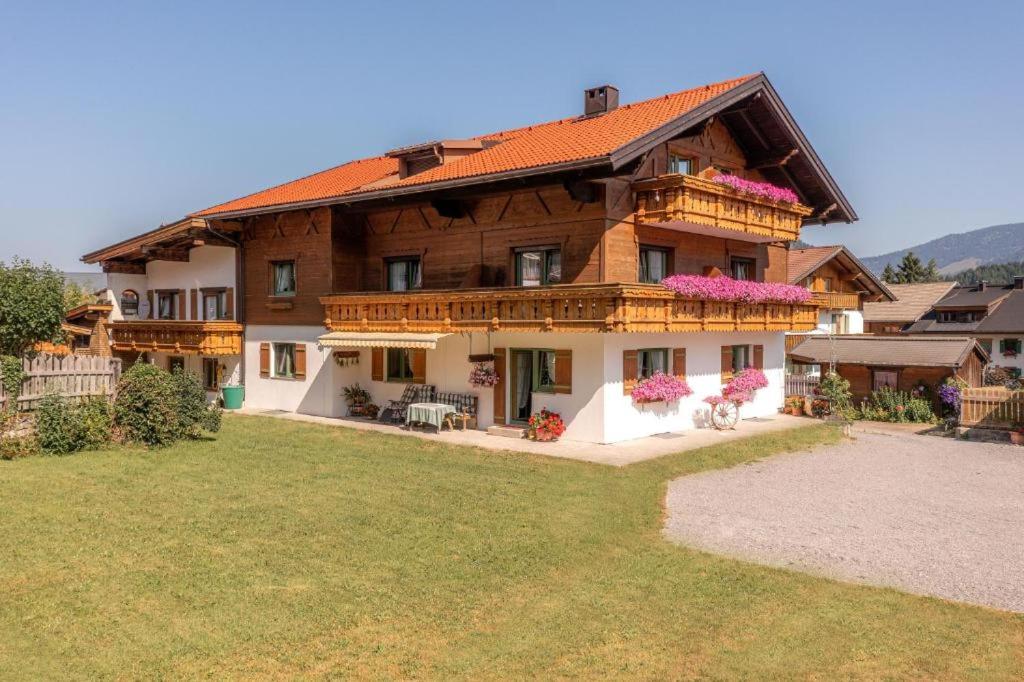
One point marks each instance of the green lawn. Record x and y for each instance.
(289, 549)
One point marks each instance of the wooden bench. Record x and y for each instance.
(466, 405)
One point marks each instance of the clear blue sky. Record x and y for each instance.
(116, 117)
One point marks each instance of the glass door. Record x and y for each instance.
(521, 386)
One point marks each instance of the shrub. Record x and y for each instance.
(59, 425)
(156, 407)
(889, 405)
(96, 418)
(1003, 376)
(15, 448)
(836, 390)
(195, 414)
(145, 410)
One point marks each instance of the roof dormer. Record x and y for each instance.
(417, 158)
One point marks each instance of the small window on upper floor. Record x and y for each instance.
(538, 266)
(828, 283)
(129, 303)
(684, 165)
(166, 305)
(652, 264)
(282, 278)
(742, 268)
(651, 360)
(404, 274)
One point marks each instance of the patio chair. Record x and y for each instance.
(414, 393)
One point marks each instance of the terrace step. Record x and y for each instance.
(506, 431)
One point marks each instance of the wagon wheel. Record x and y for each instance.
(725, 415)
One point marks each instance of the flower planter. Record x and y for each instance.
(1017, 437)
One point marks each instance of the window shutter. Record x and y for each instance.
(377, 364)
(419, 365)
(758, 357)
(679, 363)
(630, 369)
(563, 371)
(499, 388)
(195, 304)
(229, 303)
(300, 361)
(149, 300)
(264, 359)
(1002, 345)
(182, 304)
(726, 363)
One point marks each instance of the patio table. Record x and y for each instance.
(429, 413)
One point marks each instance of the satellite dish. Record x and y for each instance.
(144, 310)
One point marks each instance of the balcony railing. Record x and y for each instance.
(563, 308)
(689, 199)
(178, 336)
(837, 300)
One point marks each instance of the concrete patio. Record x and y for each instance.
(617, 454)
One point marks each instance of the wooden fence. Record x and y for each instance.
(73, 376)
(801, 384)
(992, 407)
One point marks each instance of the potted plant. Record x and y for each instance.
(356, 397)
(371, 410)
(796, 406)
(546, 426)
(1017, 436)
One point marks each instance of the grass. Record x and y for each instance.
(287, 549)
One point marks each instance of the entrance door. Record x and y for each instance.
(521, 385)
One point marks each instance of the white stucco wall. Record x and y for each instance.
(1001, 360)
(595, 411)
(207, 267)
(194, 363)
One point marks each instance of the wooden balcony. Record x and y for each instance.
(687, 201)
(563, 308)
(178, 336)
(836, 300)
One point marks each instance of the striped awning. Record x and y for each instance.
(380, 340)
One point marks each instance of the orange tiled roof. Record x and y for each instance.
(545, 144)
(802, 262)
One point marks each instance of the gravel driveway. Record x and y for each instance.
(922, 514)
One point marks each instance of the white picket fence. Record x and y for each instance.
(73, 376)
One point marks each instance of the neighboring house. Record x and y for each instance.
(173, 301)
(900, 362)
(87, 328)
(913, 301)
(842, 284)
(991, 314)
(540, 247)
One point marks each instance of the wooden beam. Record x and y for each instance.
(773, 161)
(156, 253)
(824, 212)
(124, 268)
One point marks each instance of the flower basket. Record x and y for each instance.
(546, 426)
(760, 190)
(660, 387)
(724, 288)
(1017, 436)
(483, 374)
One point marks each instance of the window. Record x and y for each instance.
(839, 323)
(215, 305)
(404, 274)
(653, 264)
(828, 283)
(283, 274)
(129, 302)
(545, 371)
(175, 362)
(167, 305)
(211, 374)
(881, 378)
(651, 360)
(742, 268)
(1011, 346)
(809, 283)
(399, 365)
(741, 358)
(960, 316)
(284, 360)
(683, 165)
(536, 267)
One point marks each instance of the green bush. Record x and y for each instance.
(156, 407)
(890, 405)
(15, 448)
(59, 425)
(195, 414)
(837, 390)
(97, 418)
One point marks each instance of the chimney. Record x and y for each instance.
(982, 285)
(1018, 282)
(600, 100)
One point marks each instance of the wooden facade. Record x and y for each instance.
(178, 337)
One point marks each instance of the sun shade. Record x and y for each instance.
(380, 340)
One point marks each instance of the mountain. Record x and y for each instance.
(962, 251)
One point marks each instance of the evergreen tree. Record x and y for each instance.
(889, 275)
(911, 271)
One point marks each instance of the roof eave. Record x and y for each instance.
(412, 190)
